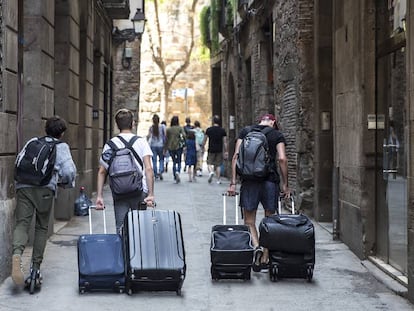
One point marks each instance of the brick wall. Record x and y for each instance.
(294, 85)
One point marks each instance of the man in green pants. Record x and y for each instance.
(34, 197)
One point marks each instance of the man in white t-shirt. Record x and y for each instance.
(124, 119)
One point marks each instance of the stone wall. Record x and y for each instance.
(294, 91)
(196, 78)
(354, 98)
(410, 148)
(63, 60)
(271, 60)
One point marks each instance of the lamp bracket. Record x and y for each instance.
(120, 36)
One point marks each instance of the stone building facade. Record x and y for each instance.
(57, 58)
(339, 76)
(189, 95)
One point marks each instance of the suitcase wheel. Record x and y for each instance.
(247, 275)
(273, 272)
(128, 290)
(214, 275)
(309, 273)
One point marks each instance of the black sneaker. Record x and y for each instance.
(33, 281)
(257, 257)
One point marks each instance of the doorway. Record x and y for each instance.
(391, 186)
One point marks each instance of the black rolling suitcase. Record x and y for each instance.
(154, 251)
(231, 248)
(290, 239)
(100, 261)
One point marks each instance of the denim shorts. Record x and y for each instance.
(253, 192)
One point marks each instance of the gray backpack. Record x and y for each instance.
(253, 162)
(125, 176)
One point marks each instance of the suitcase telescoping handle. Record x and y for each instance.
(279, 203)
(236, 196)
(91, 207)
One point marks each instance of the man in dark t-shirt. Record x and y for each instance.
(217, 148)
(266, 192)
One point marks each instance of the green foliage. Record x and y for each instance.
(209, 23)
(230, 13)
(214, 26)
(205, 16)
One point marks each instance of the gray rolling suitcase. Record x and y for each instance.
(154, 251)
(290, 239)
(231, 248)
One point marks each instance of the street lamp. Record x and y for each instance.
(129, 34)
(139, 22)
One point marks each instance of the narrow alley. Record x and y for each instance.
(341, 281)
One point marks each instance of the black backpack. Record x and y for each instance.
(36, 161)
(253, 161)
(125, 176)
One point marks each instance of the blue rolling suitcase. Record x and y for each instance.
(100, 261)
(154, 251)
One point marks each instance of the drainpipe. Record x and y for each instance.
(20, 45)
(335, 203)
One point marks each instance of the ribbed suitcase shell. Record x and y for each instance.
(155, 255)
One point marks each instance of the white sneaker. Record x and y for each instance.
(210, 177)
(218, 182)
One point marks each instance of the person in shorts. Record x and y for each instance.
(217, 148)
(266, 192)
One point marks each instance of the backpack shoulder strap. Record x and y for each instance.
(54, 141)
(129, 144)
(111, 144)
(267, 130)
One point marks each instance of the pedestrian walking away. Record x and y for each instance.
(125, 197)
(156, 139)
(191, 157)
(175, 146)
(187, 127)
(217, 148)
(166, 152)
(35, 197)
(199, 137)
(263, 189)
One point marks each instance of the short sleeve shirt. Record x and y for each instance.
(140, 146)
(215, 138)
(274, 138)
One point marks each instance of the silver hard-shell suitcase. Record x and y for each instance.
(154, 251)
